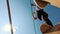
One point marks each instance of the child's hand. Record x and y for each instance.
(33, 16)
(33, 13)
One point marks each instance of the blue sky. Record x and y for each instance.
(21, 16)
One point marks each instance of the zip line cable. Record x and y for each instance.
(10, 20)
(33, 20)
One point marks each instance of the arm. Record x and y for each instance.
(45, 28)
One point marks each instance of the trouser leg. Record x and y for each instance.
(48, 21)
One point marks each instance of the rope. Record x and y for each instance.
(33, 20)
(9, 16)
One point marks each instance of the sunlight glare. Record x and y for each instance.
(7, 28)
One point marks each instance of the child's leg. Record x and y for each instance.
(48, 21)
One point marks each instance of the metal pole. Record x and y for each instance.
(9, 16)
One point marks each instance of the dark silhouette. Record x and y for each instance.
(45, 16)
(40, 13)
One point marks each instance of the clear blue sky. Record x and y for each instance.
(21, 16)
